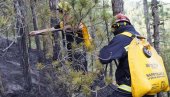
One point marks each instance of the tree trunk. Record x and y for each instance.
(47, 40)
(117, 6)
(147, 21)
(20, 9)
(108, 38)
(156, 22)
(35, 24)
(7, 36)
(54, 20)
(1, 86)
(92, 29)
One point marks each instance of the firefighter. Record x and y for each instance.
(116, 50)
(73, 33)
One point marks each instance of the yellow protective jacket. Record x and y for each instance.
(80, 35)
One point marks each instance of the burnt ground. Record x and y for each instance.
(12, 76)
(44, 82)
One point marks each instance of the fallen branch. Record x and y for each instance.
(8, 46)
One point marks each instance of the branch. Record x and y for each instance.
(8, 46)
(88, 12)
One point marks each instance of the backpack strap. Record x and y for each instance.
(133, 35)
(127, 34)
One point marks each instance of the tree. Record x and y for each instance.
(35, 24)
(1, 86)
(156, 23)
(117, 6)
(106, 21)
(44, 14)
(147, 21)
(92, 29)
(22, 30)
(54, 20)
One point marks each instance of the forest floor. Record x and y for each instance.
(44, 82)
(12, 76)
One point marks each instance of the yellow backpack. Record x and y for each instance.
(86, 36)
(148, 74)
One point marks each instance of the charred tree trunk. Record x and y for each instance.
(117, 6)
(54, 20)
(156, 22)
(147, 21)
(35, 24)
(20, 10)
(1, 86)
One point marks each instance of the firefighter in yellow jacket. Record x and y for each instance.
(73, 32)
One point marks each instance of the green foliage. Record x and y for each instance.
(3, 21)
(6, 15)
(81, 8)
(75, 79)
(98, 66)
(96, 1)
(43, 13)
(86, 90)
(83, 3)
(39, 66)
(65, 74)
(106, 15)
(94, 14)
(108, 80)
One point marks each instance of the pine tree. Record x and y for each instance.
(22, 30)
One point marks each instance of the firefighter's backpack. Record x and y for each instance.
(148, 74)
(86, 36)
